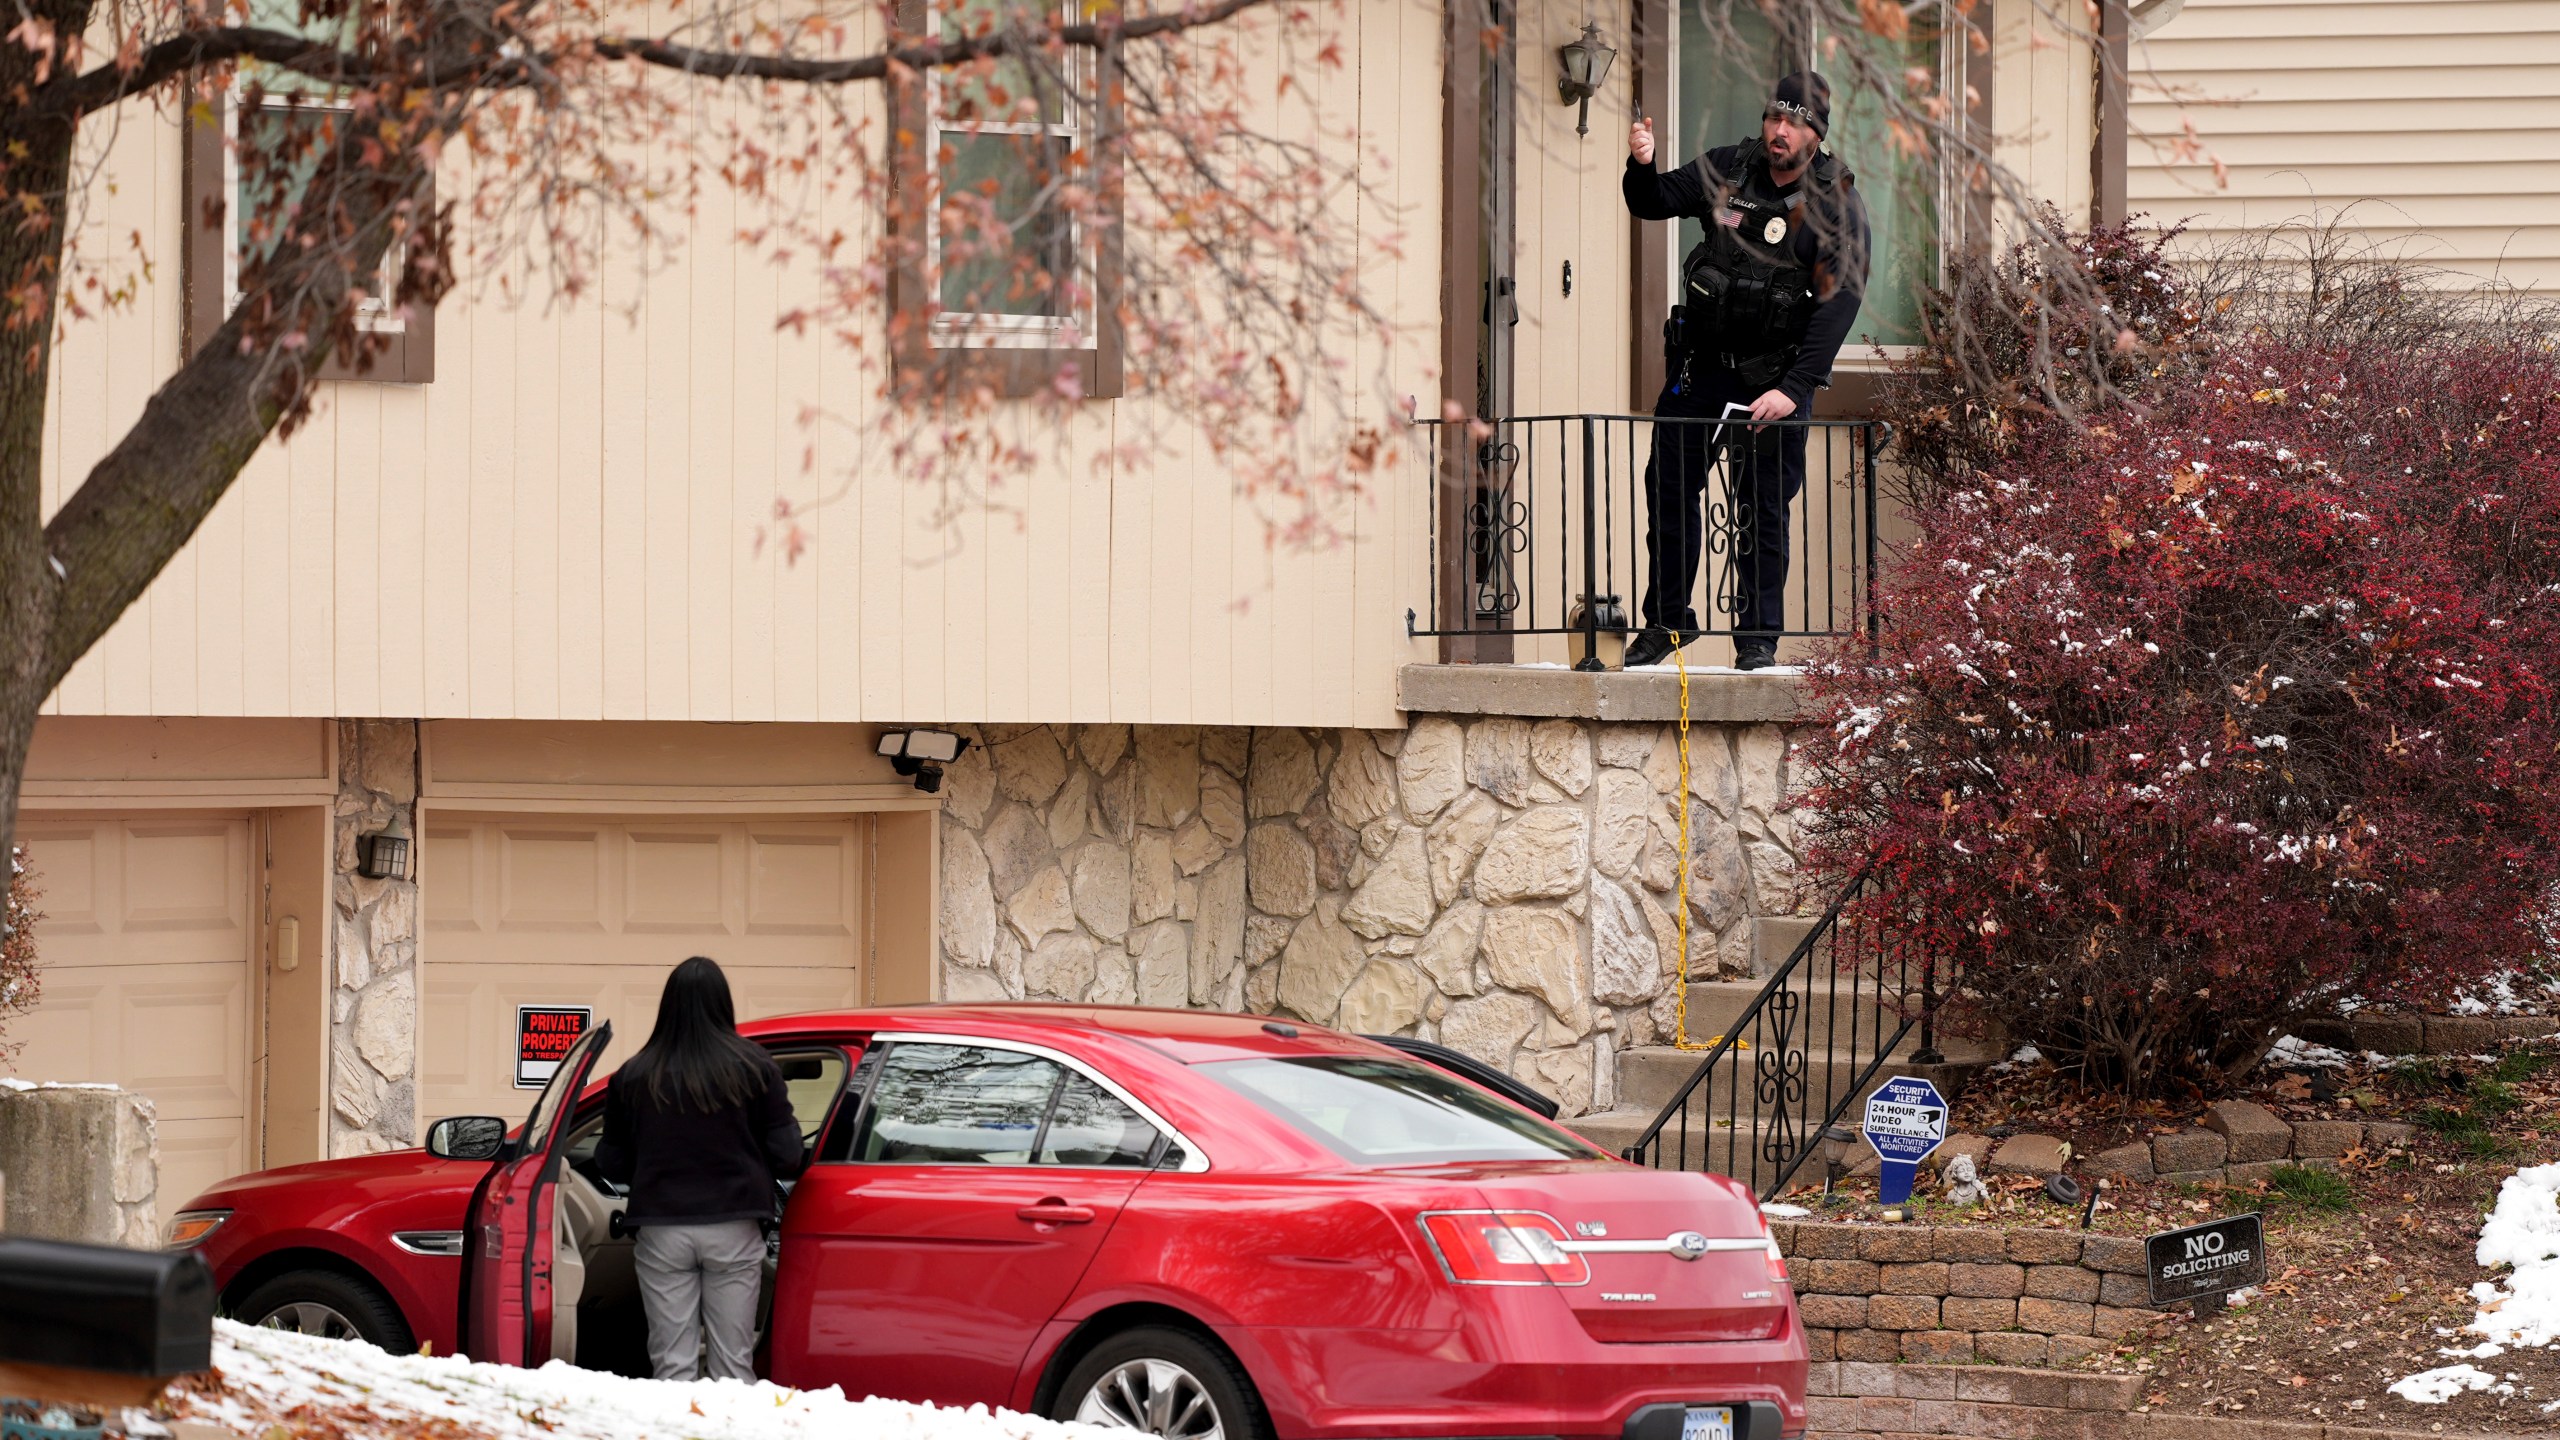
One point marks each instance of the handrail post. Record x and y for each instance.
(1590, 550)
(1875, 546)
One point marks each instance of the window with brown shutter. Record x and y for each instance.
(1023, 287)
(225, 221)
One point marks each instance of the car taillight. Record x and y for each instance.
(1503, 1247)
(1777, 1257)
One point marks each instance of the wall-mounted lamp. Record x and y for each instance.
(1586, 69)
(386, 853)
(921, 754)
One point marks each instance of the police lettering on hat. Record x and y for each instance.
(1806, 96)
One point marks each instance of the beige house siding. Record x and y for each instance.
(2043, 100)
(2429, 121)
(564, 523)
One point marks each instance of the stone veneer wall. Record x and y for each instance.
(373, 1042)
(1501, 885)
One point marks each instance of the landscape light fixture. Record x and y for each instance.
(1838, 1141)
(921, 754)
(386, 852)
(1586, 69)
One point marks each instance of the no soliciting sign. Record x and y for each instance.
(544, 1033)
(2207, 1259)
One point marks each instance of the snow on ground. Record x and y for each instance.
(2434, 1387)
(266, 1373)
(2294, 1050)
(2522, 1231)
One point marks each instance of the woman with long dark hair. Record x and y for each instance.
(699, 1126)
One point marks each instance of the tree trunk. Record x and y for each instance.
(31, 268)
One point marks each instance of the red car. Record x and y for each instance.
(1208, 1227)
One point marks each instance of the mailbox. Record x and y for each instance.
(104, 1310)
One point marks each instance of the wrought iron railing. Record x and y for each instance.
(1809, 1046)
(1541, 529)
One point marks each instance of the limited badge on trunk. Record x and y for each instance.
(1775, 230)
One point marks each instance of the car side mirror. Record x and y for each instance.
(467, 1137)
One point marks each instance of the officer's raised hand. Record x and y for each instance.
(1772, 405)
(1640, 141)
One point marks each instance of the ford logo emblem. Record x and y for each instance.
(1688, 1245)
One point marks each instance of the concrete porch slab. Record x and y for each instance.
(1716, 696)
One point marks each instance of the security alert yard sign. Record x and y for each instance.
(544, 1033)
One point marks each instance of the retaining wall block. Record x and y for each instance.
(2252, 1130)
(1972, 1243)
(2044, 1247)
(1833, 1312)
(1937, 1347)
(1903, 1312)
(2002, 1281)
(1837, 1277)
(2063, 1282)
(1923, 1277)
(2056, 1317)
(1962, 1312)
(1898, 1243)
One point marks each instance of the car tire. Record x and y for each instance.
(1165, 1382)
(324, 1302)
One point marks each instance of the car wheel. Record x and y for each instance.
(1165, 1382)
(323, 1302)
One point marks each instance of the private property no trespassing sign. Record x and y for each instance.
(544, 1033)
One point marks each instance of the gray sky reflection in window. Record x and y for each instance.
(1395, 1112)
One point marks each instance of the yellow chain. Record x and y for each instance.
(1680, 1036)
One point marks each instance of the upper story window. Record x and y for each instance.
(1723, 82)
(236, 208)
(1008, 142)
(1016, 256)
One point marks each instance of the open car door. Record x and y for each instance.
(509, 1235)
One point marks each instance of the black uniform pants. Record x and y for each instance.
(1762, 477)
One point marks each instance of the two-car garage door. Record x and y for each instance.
(591, 911)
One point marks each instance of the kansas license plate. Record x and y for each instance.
(1707, 1422)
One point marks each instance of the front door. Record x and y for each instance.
(510, 1232)
(979, 1183)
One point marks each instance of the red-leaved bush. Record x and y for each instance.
(2195, 723)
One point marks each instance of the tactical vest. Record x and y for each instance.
(1745, 295)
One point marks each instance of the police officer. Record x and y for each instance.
(1765, 301)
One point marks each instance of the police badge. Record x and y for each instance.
(1775, 230)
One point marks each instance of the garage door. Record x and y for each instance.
(144, 952)
(577, 910)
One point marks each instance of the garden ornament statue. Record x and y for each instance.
(1964, 1187)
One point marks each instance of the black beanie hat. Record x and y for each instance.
(1809, 96)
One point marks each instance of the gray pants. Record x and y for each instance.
(695, 1278)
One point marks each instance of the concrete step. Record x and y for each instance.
(1649, 1075)
(1848, 1011)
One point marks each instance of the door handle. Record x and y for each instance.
(1056, 1212)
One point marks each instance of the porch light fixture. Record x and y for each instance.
(386, 853)
(921, 754)
(1586, 69)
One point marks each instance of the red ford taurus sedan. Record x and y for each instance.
(1208, 1227)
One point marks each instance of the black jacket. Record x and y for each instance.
(1834, 245)
(687, 1168)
